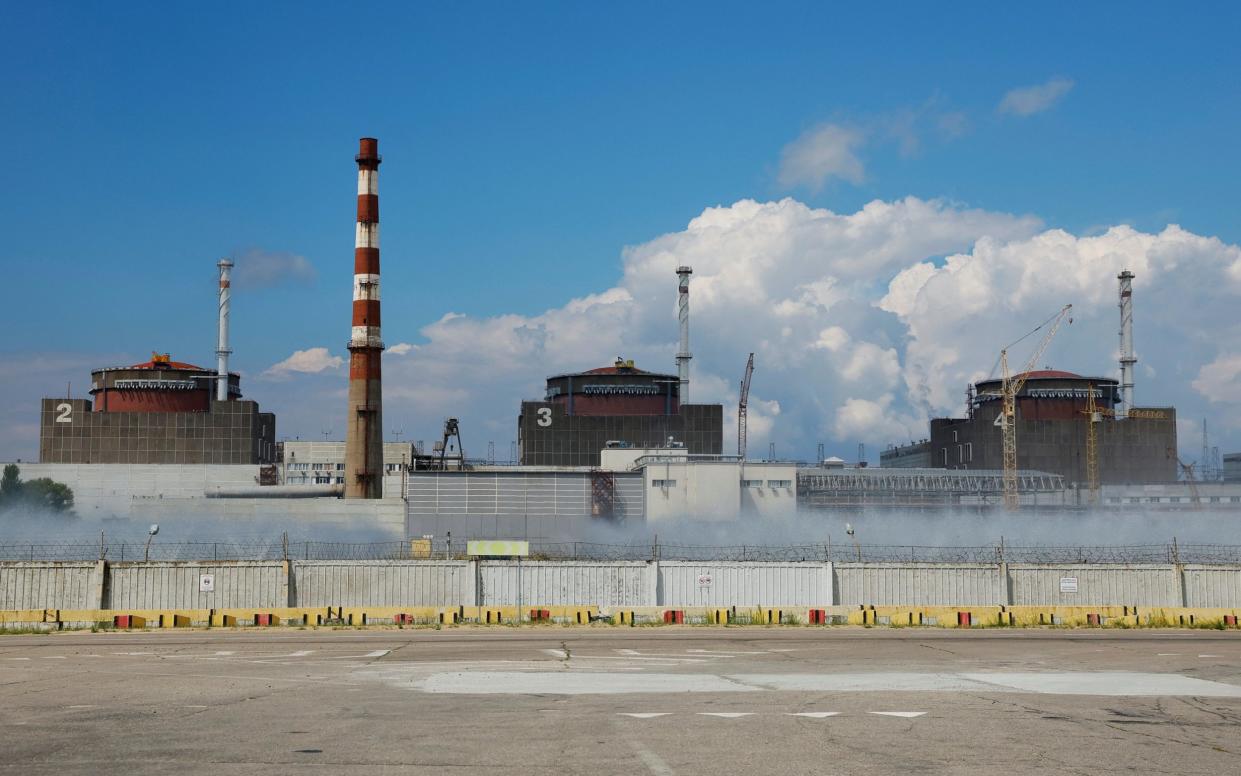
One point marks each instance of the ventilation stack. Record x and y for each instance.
(364, 420)
(683, 355)
(222, 351)
(1127, 358)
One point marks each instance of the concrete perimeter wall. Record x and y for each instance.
(48, 585)
(921, 584)
(178, 585)
(275, 584)
(383, 583)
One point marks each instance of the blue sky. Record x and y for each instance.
(527, 145)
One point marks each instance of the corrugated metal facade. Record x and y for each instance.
(629, 583)
(1117, 585)
(510, 504)
(383, 583)
(1218, 586)
(240, 584)
(46, 586)
(744, 584)
(926, 584)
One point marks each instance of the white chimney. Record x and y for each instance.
(1127, 358)
(222, 350)
(683, 356)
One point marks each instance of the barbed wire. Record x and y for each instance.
(281, 548)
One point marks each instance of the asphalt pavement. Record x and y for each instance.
(604, 700)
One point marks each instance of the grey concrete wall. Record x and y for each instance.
(1212, 586)
(383, 583)
(683, 583)
(47, 586)
(924, 584)
(267, 584)
(175, 585)
(585, 583)
(1145, 585)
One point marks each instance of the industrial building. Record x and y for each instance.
(619, 405)
(323, 463)
(1053, 422)
(1088, 430)
(157, 412)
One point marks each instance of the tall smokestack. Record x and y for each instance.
(222, 350)
(683, 356)
(364, 436)
(1127, 359)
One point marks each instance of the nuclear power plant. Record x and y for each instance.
(613, 444)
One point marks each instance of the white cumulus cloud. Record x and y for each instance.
(309, 361)
(823, 152)
(1029, 100)
(256, 269)
(863, 324)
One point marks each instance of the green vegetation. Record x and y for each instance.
(40, 493)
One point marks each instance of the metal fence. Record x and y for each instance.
(282, 548)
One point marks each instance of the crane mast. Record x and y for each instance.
(1009, 388)
(742, 403)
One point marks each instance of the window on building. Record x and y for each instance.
(323, 480)
(340, 467)
(779, 483)
(751, 483)
(1153, 500)
(1135, 500)
(1113, 500)
(1175, 499)
(969, 451)
(663, 483)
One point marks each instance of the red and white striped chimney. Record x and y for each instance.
(364, 436)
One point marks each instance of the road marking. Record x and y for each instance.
(135, 654)
(1168, 654)
(717, 652)
(653, 762)
(568, 683)
(377, 653)
(17, 658)
(1208, 656)
(226, 652)
(62, 657)
(560, 653)
(195, 707)
(641, 714)
(813, 714)
(83, 706)
(726, 714)
(305, 652)
(906, 714)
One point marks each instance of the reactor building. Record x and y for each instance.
(613, 406)
(160, 411)
(1063, 419)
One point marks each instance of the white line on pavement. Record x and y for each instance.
(726, 714)
(814, 714)
(644, 714)
(907, 714)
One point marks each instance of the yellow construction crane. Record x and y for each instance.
(1094, 415)
(1191, 479)
(1010, 386)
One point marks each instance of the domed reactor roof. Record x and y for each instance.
(619, 389)
(1052, 394)
(158, 385)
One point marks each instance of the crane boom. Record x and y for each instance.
(1009, 388)
(742, 404)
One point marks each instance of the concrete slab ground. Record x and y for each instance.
(550, 700)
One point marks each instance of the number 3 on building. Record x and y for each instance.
(65, 411)
(545, 416)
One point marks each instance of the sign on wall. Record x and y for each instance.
(206, 583)
(1068, 584)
